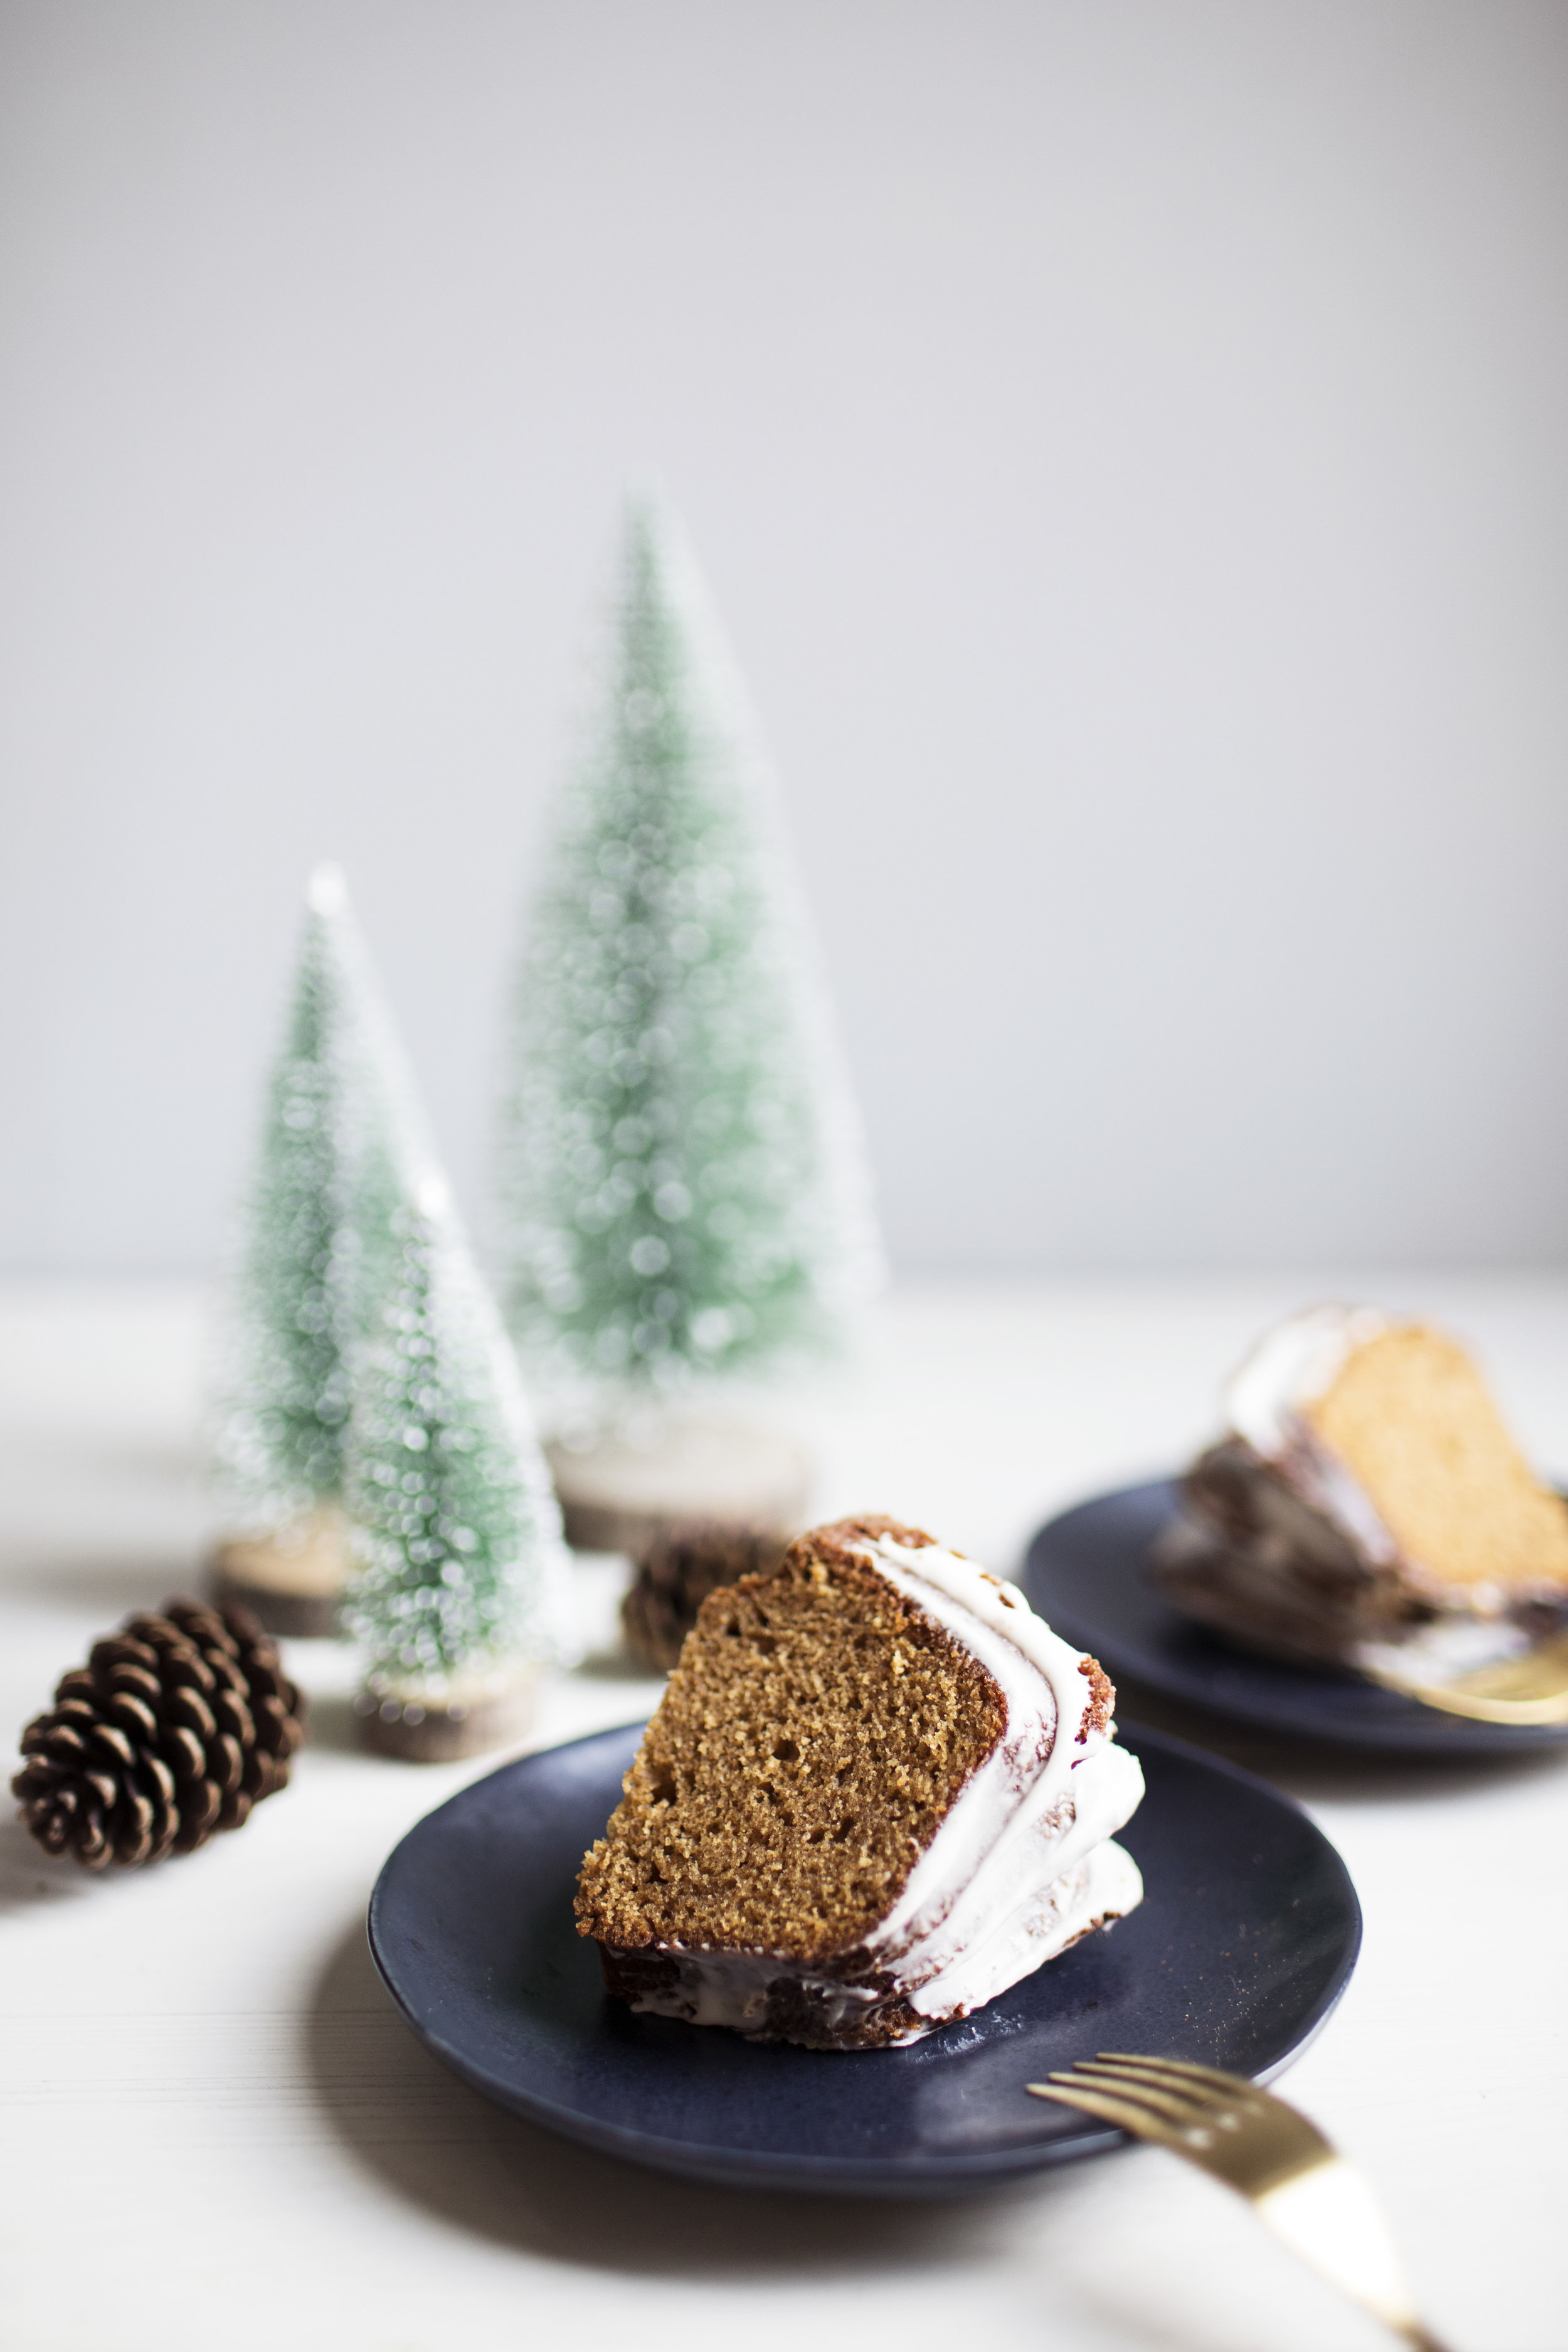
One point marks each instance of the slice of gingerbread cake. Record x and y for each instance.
(1366, 1492)
(877, 1791)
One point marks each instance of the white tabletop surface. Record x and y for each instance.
(220, 2133)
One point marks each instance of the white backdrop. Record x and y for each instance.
(1126, 442)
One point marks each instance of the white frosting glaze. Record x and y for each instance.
(1053, 1789)
(1021, 1865)
(1265, 1403)
(1291, 1366)
(730, 1988)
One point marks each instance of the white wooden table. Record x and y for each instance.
(219, 2133)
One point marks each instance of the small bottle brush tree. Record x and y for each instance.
(684, 1187)
(339, 1114)
(463, 1585)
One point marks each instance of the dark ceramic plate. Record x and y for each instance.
(1087, 1573)
(1245, 1940)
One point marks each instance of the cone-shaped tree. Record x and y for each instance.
(463, 1571)
(683, 1181)
(340, 1123)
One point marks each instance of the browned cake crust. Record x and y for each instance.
(1102, 1699)
(817, 1730)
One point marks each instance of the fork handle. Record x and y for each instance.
(1327, 2215)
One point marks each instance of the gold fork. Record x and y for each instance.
(1531, 1688)
(1306, 2194)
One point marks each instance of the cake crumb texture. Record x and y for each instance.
(817, 1731)
(1101, 1703)
(1412, 1420)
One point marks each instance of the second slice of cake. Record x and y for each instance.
(879, 1791)
(1365, 1496)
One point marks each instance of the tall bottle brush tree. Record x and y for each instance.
(339, 1120)
(464, 1577)
(684, 1186)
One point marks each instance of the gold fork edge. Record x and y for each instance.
(1451, 1699)
(1133, 2107)
(1197, 2082)
(1186, 2067)
(1105, 2107)
(1182, 2102)
(1204, 2085)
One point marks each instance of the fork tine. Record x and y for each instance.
(1183, 2066)
(1228, 2099)
(1159, 2098)
(1157, 2077)
(1231, 2098)
(1106, 2108)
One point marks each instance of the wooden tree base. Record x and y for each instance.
(439, 1731)
(292, 1583)
(620, 1495)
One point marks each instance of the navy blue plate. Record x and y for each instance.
(1245, 1940)
(1086, 1572)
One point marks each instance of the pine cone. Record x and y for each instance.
(676, 1574)
(176, 1726)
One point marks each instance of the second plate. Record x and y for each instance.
(1086, 1573)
